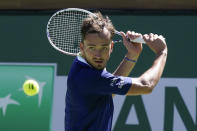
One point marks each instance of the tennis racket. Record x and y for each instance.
(64, 30)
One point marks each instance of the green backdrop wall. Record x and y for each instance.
(23, 39)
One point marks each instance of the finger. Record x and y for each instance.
(146, 37)
(138, 35)
(151, 36)
(123, 36)
(133, 35)
(130, 34)
(155, 36)
(161, 37)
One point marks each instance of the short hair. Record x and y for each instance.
(96, 24)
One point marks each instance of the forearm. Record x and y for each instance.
(126, 66)
(148, 80)
(153, 74)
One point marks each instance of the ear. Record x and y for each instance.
(81, 47)
(112, 46)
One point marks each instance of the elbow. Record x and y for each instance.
(141, 87)
(148, 86)
(149, 90)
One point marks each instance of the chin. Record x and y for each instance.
(99, 67)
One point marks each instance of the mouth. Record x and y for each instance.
(99, 61)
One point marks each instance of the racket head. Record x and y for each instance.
(64, 30)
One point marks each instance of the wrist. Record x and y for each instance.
(132, 57)
(130, 60)
(163, 52)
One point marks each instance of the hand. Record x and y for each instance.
(134, 49)
(156, 43)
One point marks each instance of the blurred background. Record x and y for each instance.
(26, 53)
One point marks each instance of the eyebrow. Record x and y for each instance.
(95, 44)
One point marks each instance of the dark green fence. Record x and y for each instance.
(23, 39)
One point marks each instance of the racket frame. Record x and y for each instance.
(138, 40)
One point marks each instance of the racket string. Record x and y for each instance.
(61, 30)
(65, 32)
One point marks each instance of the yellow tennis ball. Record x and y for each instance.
(31, 87)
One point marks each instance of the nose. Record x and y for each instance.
(97, 53)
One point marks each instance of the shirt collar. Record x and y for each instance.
(81, 59)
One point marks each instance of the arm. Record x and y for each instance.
(125, 66)
(148, 80)
(134, 50)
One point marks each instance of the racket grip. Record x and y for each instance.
(137, 40)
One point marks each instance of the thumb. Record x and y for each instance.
(123, 36)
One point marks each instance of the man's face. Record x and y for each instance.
(96, 49)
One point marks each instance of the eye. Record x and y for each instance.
(91, 48)
(105, 48)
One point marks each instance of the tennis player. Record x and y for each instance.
(89, 104)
